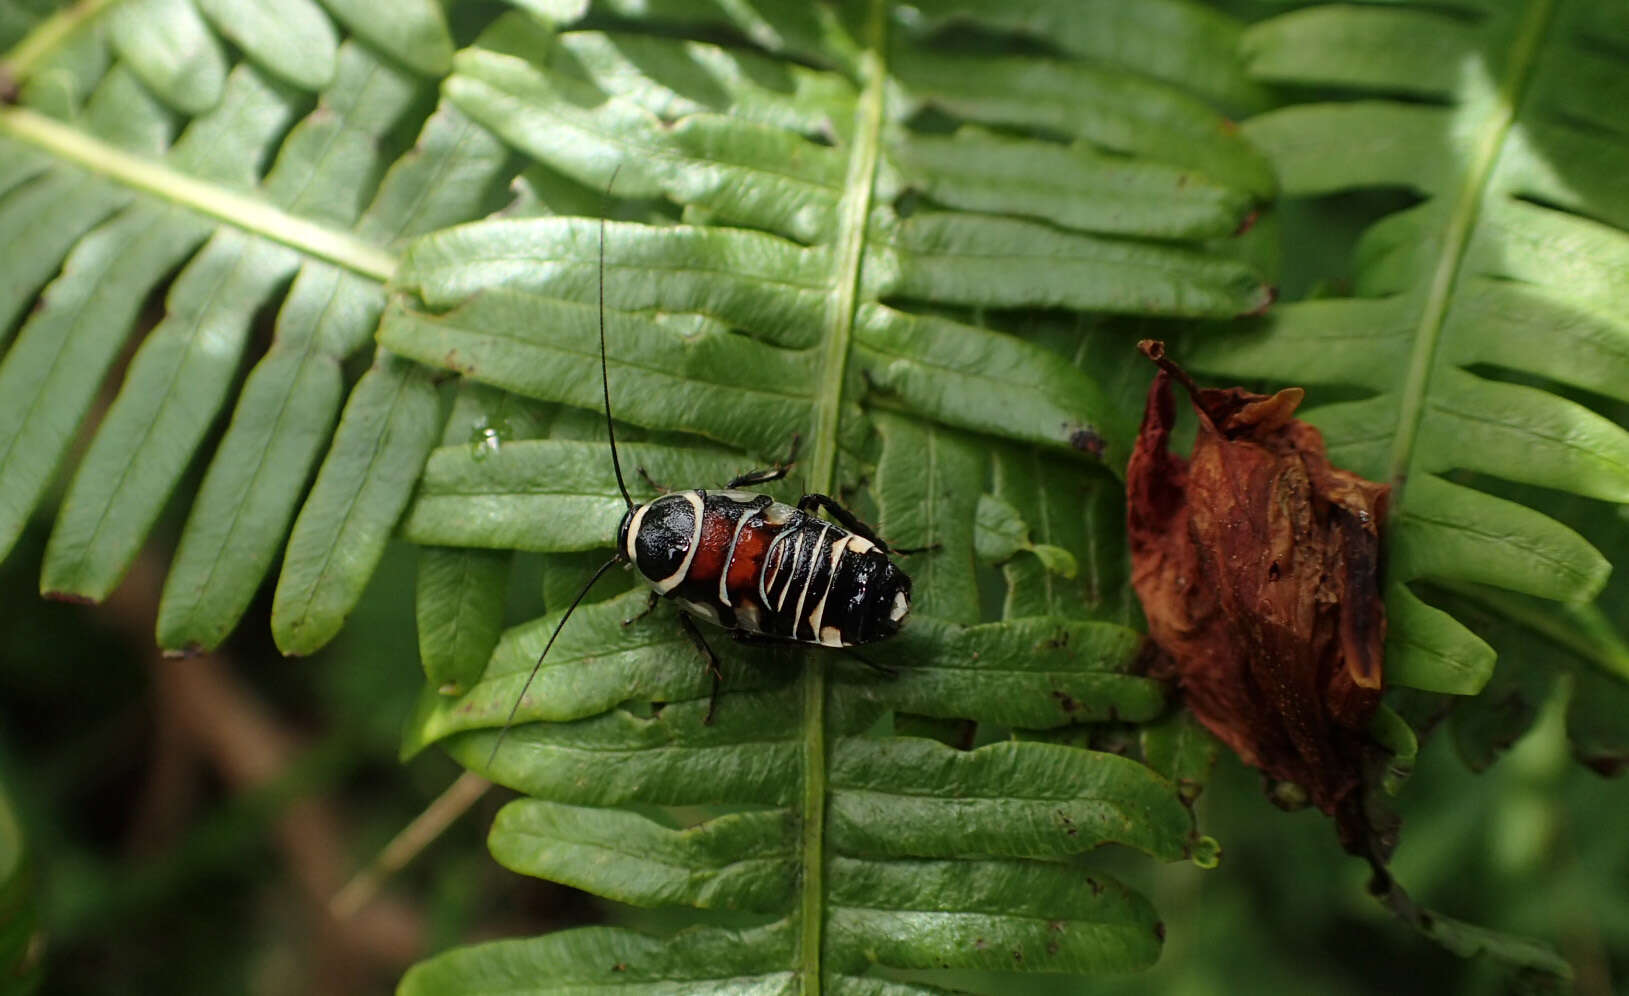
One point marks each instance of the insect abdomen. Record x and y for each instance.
(749, 563)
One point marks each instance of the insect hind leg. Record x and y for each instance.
(696, 638)
(768, 474)
(849, 521)
(844, 517)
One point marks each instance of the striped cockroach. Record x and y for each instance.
(767, 572)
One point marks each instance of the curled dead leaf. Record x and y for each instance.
(1257, 563)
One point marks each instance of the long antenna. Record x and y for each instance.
(610, 430)
(558, 627)
(605, 378)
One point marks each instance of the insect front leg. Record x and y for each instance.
(691, 631)
(650, 607)
(655, 485)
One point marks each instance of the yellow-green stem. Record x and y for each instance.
(849, 257)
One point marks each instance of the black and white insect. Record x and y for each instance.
(768, 572)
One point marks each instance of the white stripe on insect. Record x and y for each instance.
(633, 533)
(791, 575)
(819, 614)
(729, 555)
(797, 613)
(772, 565)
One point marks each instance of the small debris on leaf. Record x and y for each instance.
(1258, 563)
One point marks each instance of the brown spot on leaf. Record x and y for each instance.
(1269, 294)
(1066, 701)
(1257, 563)
(1087, 441)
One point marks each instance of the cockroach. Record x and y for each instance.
(767, 572)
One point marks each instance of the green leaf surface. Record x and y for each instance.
(1180, 748)
(291, 39)
(736, 861)
(384, 435)
(50, 213)
(1072, 186)
(288, 404)
(594, 959)
(168, 45)
(415, 32)
(972, 378)
(176, 382)
(459, 592)
(549, 495)
(458, 605)
(1172, 40)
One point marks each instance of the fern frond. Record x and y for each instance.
(811, 221)
(138, 157)
(1486, 327)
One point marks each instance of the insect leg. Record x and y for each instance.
(768, 474)
(691, 631)
(650, 606)
(656, 486)
(884, 669)
(752, 477)
(846, 518)
(854, 525)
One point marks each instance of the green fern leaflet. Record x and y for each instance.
(1485, 333)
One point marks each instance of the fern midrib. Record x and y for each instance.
(850, 243)
(156, 179)
(1456, 240)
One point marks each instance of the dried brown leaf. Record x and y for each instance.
(1257, 563)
